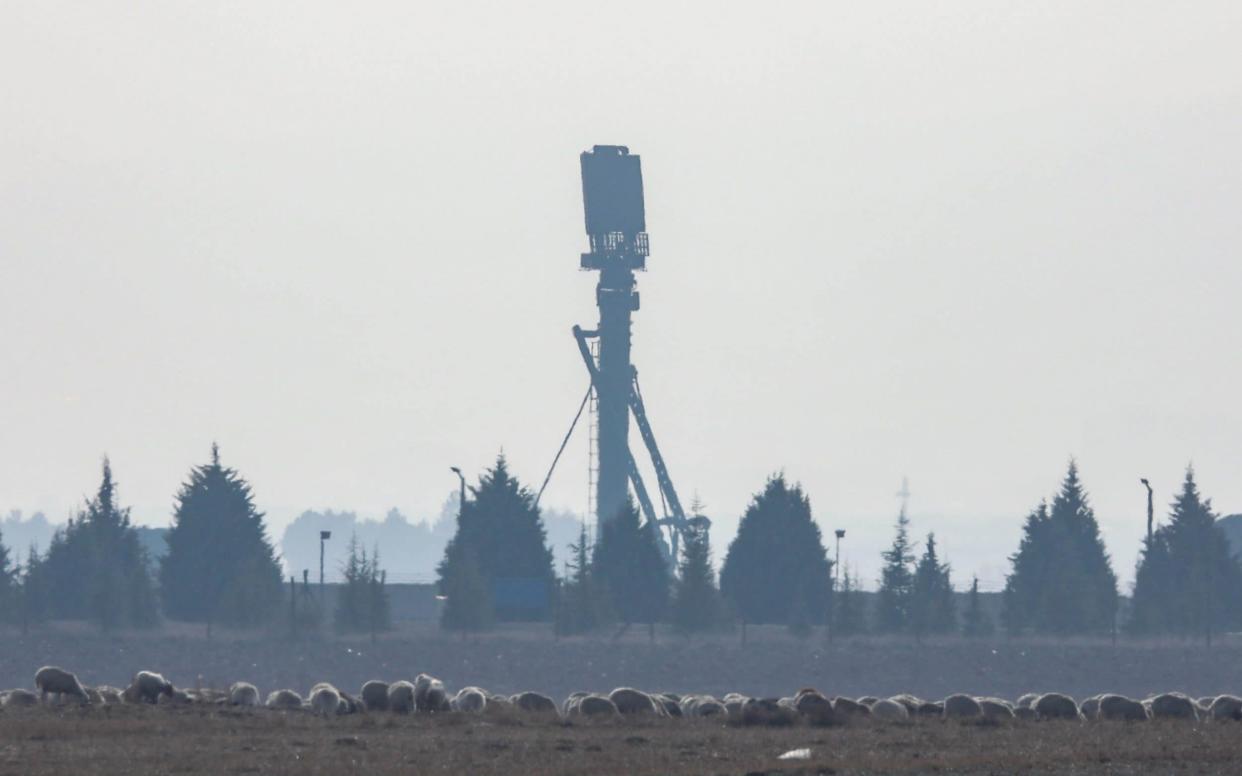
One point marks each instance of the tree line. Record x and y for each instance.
(221, 569)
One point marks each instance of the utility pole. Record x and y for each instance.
(1150, 513)
(836, 566)
(323, 537)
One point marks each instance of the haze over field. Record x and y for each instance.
(957, 243)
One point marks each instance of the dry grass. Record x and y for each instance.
(189, 740)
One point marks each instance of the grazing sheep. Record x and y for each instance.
(243, 694)
(1225, 707)
(147, 687)
(572, 700)
(701, 706)
(284, 699)
(1055, 705)
(815, 707)
(375, 695)
(1027, 701)
(867, 700)
(911, 702)
(1173, 705)
(1024, 713)
(1090, 707)
(1120, 708)
(961, 707)
(995, 709)
(469, 699)
(57, 681)
(429, 694)
(595, 706)
(768, 711)
(733, 703)
(109, 693)
(630, 701)
(350, 704)
(670, 705)
(178, 698)
(847, 707)
(401, 697)
(533, 702)
(325, 700)
(19, 697)
(890, 710)
(930, 709)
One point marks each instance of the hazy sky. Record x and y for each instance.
(949, 241)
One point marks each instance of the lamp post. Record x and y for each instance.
(836, 567)
(1150, 513)
(461, 497)
(323, 537)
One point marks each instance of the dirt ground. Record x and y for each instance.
(194, 740)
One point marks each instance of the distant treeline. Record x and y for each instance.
(494, 562)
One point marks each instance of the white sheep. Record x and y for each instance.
(109, 693)
(147, 687)
(59, 682)
(19, 697)
(814, 706)
(374, 695)
(1055, 705)
(1225, 707)
(845, 707)
(470, 700)
(994, 709)
(890, 710)
(1120, 708)
(401, 697)
(533, 702)
(325, 700)
(595, 706)
(1173, 705)
(959, 706)
(1026, 701)
(283, 699)
(630, 701)
(243, 694)
(1091, 706)
(429, 694)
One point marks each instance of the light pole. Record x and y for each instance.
(323, 537)
(1150, 513)
(461, 498)
(836, 567)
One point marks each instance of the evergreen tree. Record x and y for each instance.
(892, 614)
(696, 605)
(503, 531)
(1062, 581)
(362, 603)
(1188, 582)
(777, 569)
(32, 595)
(467, 598)
(96, 568)
(851, 615)
(630, 567)
(975, 621)
(582, 606)
(220, 566)
(932, 608)
(8, 585)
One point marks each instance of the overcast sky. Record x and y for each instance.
(948, 241)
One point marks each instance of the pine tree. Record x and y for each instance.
(1062, 581)
(503, 531)
(1188, 582)
(220, 565)
(8, 585)
(696, 605)
(96, 568)
(362, 603)
(467, 598)
(32, 595)
(932, 608)
(851, 616)
(777, 569)
(630, 567)
(582, 607)
(892, 614)
(975, 621)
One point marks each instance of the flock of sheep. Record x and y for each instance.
(428, 694)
